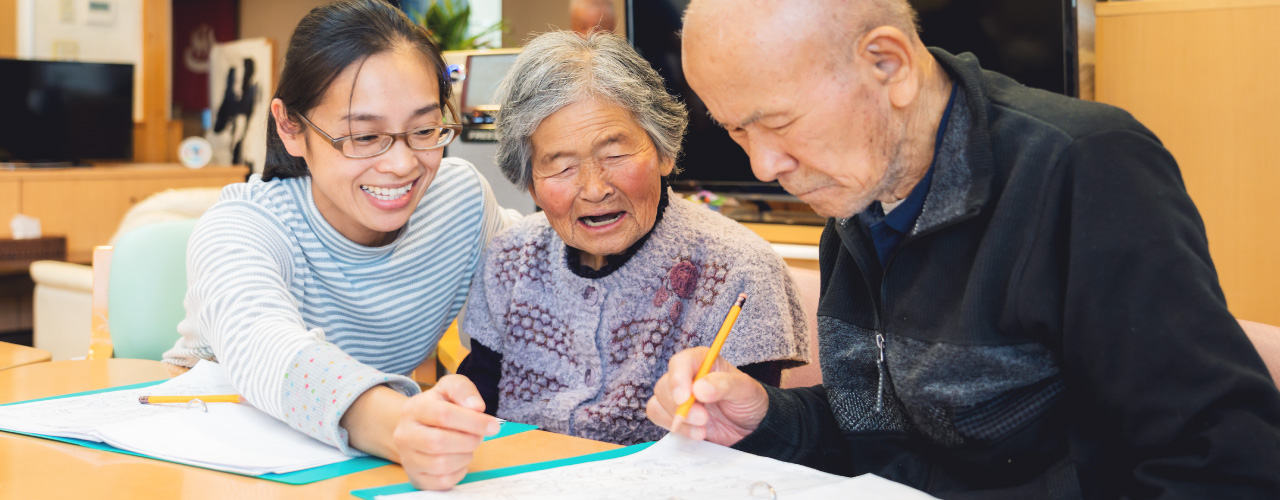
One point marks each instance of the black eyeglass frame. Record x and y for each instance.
(337, 143)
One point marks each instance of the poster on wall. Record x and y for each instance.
(240, 86)
(197, 26)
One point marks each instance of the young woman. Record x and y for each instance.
(318, 284)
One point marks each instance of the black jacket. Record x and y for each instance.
(1052, 327)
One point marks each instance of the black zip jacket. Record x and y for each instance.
(1052, 327)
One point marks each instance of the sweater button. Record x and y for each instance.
(590, 296)
(591, 376)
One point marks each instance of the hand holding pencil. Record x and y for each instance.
(724, 404)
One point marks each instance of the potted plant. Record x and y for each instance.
(447, 22)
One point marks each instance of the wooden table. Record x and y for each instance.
(14, 355)
(39, 468)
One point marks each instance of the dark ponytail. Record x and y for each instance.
(326, 42)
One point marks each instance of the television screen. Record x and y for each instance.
(484, 73)
(1031, 41)
(57, 111)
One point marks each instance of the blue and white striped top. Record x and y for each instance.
(304, 320)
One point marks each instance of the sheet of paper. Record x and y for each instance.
(77, 417)
(228, 436)
(674, 467)
(232, 437)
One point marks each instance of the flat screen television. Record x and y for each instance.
(1032, 41)
(59, 112)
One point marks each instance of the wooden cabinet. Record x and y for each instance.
(86, 204)
(1202, 75)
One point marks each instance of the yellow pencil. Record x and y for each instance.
(683, 410)
(211, 398)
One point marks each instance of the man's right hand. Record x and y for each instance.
(439, 432)
(728, 405)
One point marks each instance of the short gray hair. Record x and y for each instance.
(561, 68)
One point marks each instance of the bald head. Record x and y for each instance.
(834, 99)
(588, 15)
(834, 21)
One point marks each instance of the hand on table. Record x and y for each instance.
(439, 431)
(729, 404)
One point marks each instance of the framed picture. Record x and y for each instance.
(240, 88)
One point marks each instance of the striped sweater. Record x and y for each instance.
(303, 319)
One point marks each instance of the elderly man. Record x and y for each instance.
(1018, 299)
(586, 16)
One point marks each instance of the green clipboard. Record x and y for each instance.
(370, 493)
(355, 464)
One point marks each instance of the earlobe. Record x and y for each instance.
(290, 132)
(667, 166)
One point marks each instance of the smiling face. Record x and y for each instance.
(368, 200)
(807, 115)
(597, 177)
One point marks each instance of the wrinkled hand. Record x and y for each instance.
(729, 404)
(439, 431)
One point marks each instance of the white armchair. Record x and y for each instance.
(63, 294)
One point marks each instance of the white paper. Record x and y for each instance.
(231, 437)
(676, 467)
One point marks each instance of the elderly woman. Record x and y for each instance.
(575, 311)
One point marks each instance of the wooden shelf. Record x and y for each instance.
(86, 204)
(1128, 8)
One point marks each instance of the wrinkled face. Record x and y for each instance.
(597, 176)
(368, 199)
(803, 115)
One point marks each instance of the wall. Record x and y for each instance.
(526, 18)
(64, 30)
(274, 19)
(8, 28)
(1202, 75)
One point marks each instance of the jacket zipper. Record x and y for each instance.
(880, 367)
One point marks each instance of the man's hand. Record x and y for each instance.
(729, 404)
(439, 431)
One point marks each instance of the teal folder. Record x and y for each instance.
(370, 493)
(304, 476)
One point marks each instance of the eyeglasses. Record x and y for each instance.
(370, 145)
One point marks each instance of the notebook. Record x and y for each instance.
(229, 437)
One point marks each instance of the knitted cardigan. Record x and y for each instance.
(580, 356)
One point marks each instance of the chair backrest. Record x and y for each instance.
(144, 291)
(1266, 339)
(809, 284)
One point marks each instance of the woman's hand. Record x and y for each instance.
(728, 405)
(439, 431)
(434, 435)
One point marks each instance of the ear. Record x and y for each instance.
(291, 132)
(888, 57)
(666, 166)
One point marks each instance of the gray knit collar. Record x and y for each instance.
(948, 194)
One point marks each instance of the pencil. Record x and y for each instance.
(707, 362)
(211, 398)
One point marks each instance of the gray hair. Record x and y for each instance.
(561, 68)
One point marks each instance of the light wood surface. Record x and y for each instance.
(38, 468)
(787, 233)
(9, 28)
(1113, 9)
(86, 204)
(8, 205)
(1202, 75)
(151, 136)
(14, 355)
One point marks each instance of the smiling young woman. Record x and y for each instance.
(322, 282)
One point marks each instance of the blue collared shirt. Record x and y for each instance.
(887, 231)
